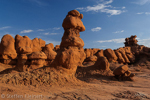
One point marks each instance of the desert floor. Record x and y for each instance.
(90, 87)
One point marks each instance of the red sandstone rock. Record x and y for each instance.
(102, 63)
(37, 55)
(57, 47)
(110, 54)
(50, 53)
(100, 53)
(73, 20)
(24, 41)
(129, 54)
(7, 47)
(71, 40)
(38, 44)
(120, 70)
(91, 58)
(120, 58)
(24, 50)
(122, 73)
(131, 41)
(71, 53)
(122, 51)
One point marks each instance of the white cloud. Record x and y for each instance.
(46, 33)
(40, 30)
(145, 42)
(139, 13)
(142, 2)
(39, 2)
(56, 28)
(120, 40)
(50, 33)
(123, 7)
(26, 31)
(96, 29)
(102, 7)
(119, 31)
(2, 28)
(52, 41)
(147, 13)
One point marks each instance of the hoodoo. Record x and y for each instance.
(71, 53)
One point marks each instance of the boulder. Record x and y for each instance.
(120, 70)
(122, 73)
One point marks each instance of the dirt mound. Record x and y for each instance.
(38, 77)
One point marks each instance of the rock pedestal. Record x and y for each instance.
(71, 53)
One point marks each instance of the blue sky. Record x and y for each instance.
(107, 22)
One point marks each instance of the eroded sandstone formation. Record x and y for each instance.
(8, 53)
(131, 41)
(71, 53)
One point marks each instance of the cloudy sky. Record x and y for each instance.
(107, 22)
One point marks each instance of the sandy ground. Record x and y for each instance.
(88, 88)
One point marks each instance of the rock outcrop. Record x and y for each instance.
(71, 53)
(131, 41)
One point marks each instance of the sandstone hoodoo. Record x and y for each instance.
(7, 50)
(71, 53)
